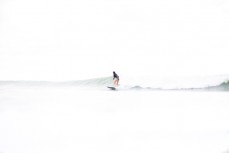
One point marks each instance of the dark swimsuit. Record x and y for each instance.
(115, 76)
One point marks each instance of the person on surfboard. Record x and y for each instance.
(115, 78)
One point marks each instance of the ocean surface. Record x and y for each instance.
(207, 83)
(161, 116)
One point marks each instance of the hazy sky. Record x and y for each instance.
(68, 39)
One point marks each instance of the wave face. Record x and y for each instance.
(105, 81)
(222, 87)
(213, 83)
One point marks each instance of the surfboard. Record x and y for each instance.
(112, 88)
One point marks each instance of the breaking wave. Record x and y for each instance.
(213, 83)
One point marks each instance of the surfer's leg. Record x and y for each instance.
(115, 82)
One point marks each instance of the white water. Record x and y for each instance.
(175, 82)
(130, 82)
(71, 119)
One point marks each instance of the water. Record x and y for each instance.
(71, 117)
(212, 83)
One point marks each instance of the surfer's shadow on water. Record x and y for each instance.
(111, 88)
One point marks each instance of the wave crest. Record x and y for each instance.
(216, 83)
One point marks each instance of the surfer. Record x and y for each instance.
(115, 78)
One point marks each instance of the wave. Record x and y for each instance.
(222, 87)
(213, 83)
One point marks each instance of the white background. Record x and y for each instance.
(69, 40)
